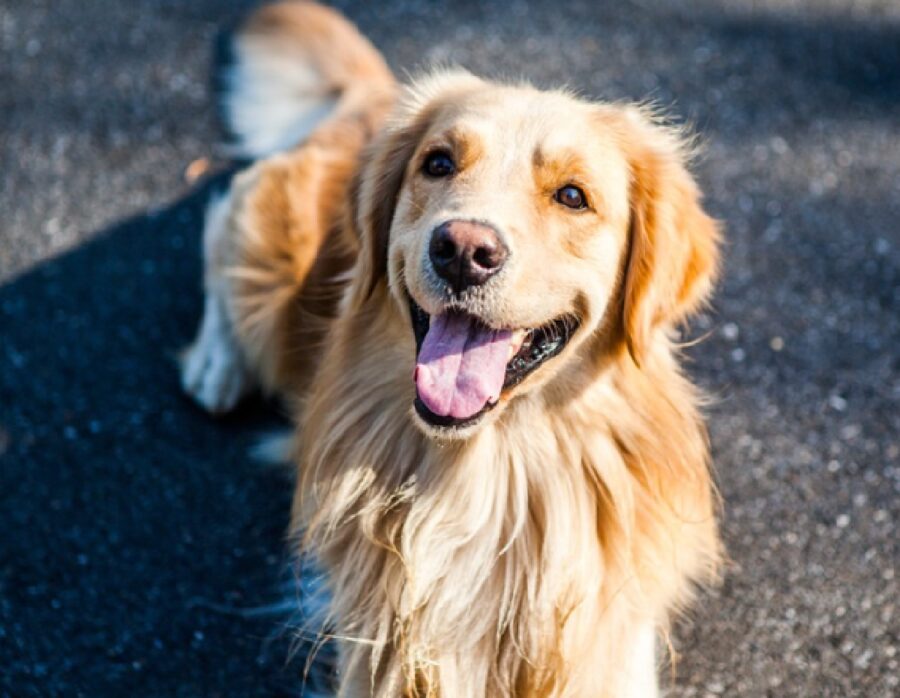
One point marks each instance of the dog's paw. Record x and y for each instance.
(213, 370)
(213, 374)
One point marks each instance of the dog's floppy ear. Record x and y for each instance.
(673, 244)
(376, 188)
(374, 194)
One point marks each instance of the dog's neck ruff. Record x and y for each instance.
(498, 565)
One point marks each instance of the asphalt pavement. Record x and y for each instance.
(141, 548)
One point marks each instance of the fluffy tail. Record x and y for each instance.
(292, 65)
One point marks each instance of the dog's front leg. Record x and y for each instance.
(214, 371)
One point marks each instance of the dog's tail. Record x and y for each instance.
(290, 66)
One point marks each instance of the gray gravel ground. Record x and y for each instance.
(131, 524)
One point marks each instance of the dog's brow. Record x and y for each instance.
(465, 143)
(558, 167)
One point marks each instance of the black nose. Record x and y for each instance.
(466, 253)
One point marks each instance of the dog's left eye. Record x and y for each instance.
(571, 197)
(439, 164)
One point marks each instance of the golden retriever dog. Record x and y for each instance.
(468, 291)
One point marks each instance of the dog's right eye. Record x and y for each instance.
(439, 164)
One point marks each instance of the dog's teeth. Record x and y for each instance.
(516, 343)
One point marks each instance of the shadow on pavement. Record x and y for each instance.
(128, 515)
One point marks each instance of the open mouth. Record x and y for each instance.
(463, 366)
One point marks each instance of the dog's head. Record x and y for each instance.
(513, 227)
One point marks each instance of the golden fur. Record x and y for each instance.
(533, 553)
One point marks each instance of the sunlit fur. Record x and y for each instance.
(534, 553)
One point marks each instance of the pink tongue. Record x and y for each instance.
(461, 365)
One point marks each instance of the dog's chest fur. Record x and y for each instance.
(531, 550)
